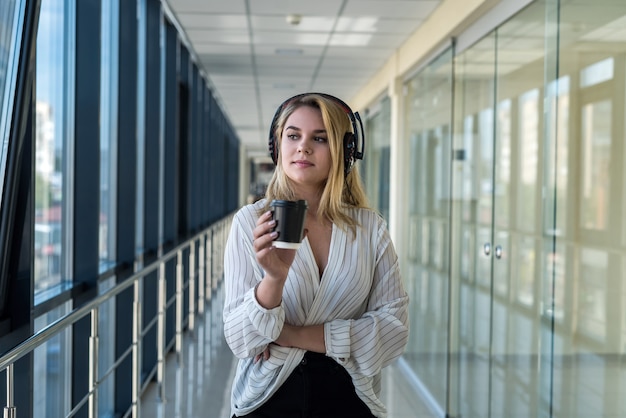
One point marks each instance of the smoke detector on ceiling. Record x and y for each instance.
(294, 19)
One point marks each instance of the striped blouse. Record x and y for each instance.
(359, 298)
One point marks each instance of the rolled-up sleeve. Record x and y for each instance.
(248, 327)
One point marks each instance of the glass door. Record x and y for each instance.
(538, 232)
(472, 232)
(500, 270)
(428, 115)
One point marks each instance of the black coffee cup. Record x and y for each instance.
(289, 216)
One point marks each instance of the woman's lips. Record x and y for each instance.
(303, 163)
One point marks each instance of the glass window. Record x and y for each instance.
(592, 298)
(8, 64)
(556, 131)
(596, 157)
(141, 125)
(503, 163)
(528, 158)
(108, 185)
(7, 34)
(53, 131)
(585, 282)
(106, 351)
(108, 131)
(51, 369)
(427, 111)
(377, 157)
(597, 73)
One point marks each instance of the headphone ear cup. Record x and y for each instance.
(349, 150)
(273, 148)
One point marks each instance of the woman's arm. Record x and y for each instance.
(310, 338)
(379, 336)
(248, 326)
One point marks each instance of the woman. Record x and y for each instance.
(313, 327)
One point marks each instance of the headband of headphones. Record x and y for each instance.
(353, 142)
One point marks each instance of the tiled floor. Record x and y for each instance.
(201, 386)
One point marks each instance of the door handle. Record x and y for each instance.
(487, 248)
(498, 252)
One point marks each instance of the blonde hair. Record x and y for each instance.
(341, 192)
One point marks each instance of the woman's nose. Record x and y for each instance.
(304, 148)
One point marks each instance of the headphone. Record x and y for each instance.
(353, 142)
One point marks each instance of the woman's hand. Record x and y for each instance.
(275, 261)
(265, 355)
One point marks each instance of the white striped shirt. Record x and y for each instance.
(360, 299)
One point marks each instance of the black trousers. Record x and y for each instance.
(318, 388)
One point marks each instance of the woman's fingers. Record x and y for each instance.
(264, 232)
(265, 355)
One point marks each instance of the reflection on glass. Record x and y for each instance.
(592, 296)
(435, 245)
(597, 73)
(108, 131)
(523, 271)
(503, 163)
(484, 251)
(528, 159)
(596, 157)
(428, 112)
(51, 369)
(466, 259)
(106, 351)
(556, 175)
(589, 280)
(548, 184)
(140, 181)
(467, 175)
(51, 129)
(474, 135)
(377, 170)
(501, 264)
(8, 63)
(7, 8)
(484, 163)
(554, 280)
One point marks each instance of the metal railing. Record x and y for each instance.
(207, 272)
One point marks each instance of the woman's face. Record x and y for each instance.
(304, 150)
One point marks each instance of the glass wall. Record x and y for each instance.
(377, 156)
(101, 74)
(589, 259)
(428, 114)
(536, 323)
(474, 119)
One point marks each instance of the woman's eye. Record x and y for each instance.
(320, 139)
(292, 136)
